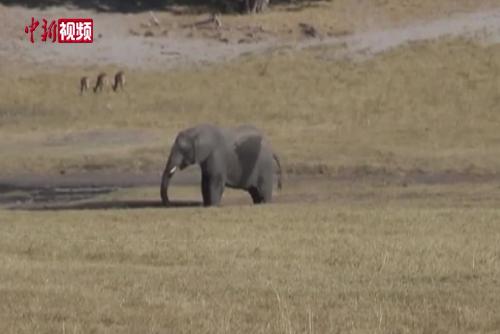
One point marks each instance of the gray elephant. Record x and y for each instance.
(238, 158)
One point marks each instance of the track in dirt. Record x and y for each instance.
(368, 44)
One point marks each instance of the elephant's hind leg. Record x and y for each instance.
(260, 196)
(256, 196)
(263, 192)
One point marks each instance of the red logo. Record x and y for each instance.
(31, 29)
(66, 30)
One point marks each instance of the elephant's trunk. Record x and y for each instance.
(165, 180)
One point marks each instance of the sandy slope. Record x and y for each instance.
(117, 46)
(482, 26)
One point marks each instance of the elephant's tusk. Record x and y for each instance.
(172, 171)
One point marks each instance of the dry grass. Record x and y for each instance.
(431, 105)
(339, 15)
(272, 269)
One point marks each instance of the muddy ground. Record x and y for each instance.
(356, 186)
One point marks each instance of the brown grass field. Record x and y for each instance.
(428, 106)
(379, 267)
(356, 242)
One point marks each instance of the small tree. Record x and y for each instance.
(246, 6)
(256, 6)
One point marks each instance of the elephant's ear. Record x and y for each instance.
(184, 143)
(203, 146)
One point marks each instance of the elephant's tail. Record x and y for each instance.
(280, 175)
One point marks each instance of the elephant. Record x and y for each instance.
(239, 158)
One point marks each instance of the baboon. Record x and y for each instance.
(84, 84)
(216, 20)
(101, 83)
(213, 19)
(119, 81)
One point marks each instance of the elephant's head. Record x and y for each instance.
(191, 146)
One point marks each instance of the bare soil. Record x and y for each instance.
(123, 40)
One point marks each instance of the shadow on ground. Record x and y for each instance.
(135, 6)
(122, 6)
(15, 197)
(109, 205)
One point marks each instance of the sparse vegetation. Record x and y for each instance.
(428, 106)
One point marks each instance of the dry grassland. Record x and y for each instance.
(273, 269)
(430, 105)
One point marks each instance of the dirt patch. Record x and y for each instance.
(81, 191)
(32, 190)
(482, 26)
(119, 44)
(18, 195)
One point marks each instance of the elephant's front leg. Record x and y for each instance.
(212, 187)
